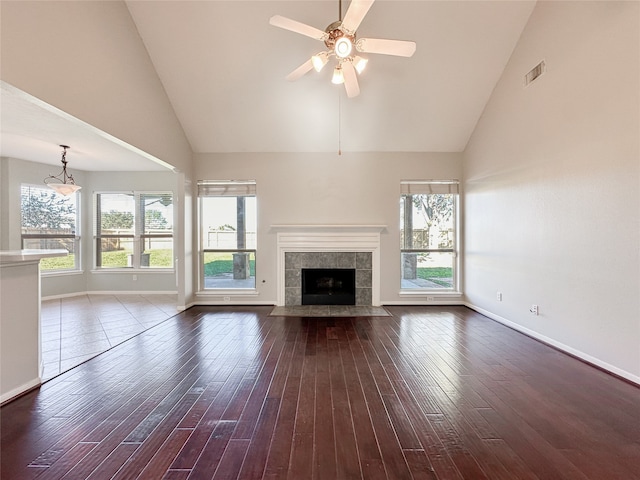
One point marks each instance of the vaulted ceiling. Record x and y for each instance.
(223, 68)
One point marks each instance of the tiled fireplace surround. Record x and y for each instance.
(328, 246)
(294, 262)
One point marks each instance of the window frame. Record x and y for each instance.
(74, 236)
(430, 187)
(228, 189)
(138, 237)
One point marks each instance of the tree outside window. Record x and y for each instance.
(228, 231)
(428, 237)
(134, 230)
(49, 221)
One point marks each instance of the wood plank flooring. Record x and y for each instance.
(233, 393)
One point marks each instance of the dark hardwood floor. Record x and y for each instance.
(429, 393)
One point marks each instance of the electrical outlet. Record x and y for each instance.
(534, 309)
(227, 299)
(430, 299)
(499, 296)
(135, 278)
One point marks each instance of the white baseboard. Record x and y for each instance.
(114, 292)
(63, 295)
(560, 346)
(5, 397)
(133, 292)
(182, 308)
(425, 303)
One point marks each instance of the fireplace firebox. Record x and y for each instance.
(328, 286)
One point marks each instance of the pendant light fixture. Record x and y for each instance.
(63, 183)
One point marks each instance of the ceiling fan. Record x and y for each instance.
(340, 39)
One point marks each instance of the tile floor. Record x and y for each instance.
(75, 329)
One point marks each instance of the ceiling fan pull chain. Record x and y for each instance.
(339, 125)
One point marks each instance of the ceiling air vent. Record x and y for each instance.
(534, 73)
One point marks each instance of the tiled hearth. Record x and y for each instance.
(328, 246)
(294, 262)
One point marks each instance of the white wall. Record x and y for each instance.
(147, 280)
(4, 200)
(185, 238)
(89, 280)
(352, 188)
(552, 186)
(87, 59)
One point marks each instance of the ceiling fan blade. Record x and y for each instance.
(300, 71)
(400, 48)
(295, 26)
(355, 13)
(350, 79)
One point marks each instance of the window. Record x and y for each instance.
(428, 235)
(228, 228)
(50, 221)
(134, 230)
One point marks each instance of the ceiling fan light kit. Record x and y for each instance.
(340, 39)
(343, 47)
(359, 63)
(319, 61)
(337, 77)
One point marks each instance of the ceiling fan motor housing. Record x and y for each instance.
(342, 49)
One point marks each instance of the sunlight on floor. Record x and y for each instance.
(75, 329)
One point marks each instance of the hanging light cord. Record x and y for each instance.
(339, 96)
(339, 124)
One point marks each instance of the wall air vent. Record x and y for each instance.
(534, 73)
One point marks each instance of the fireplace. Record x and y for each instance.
(328, 286)
(328, 246)
(296, 263)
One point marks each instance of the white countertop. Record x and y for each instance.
(29, 255)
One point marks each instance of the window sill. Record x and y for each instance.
(235, 292)
(100, 271)
(430, 292)
(60, 273)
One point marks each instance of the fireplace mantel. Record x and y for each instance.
(329, 238)
(328, 228)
